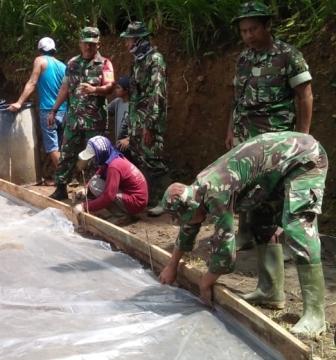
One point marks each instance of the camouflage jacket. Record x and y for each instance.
(87, 112)
(253, 172)
(264, 95)
(148, 96)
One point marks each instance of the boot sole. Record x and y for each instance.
(311, 335)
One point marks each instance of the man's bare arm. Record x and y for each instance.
(38, 67)
(168, 274)
(62, 95)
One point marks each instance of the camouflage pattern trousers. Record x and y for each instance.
(296, 214)
(149, 160)
(294, 207)
(73, 143)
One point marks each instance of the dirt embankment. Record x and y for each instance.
(200, 98)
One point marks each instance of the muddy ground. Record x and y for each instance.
(200, 98)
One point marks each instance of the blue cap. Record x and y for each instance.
(124, 82)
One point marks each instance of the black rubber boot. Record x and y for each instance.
(60, 193)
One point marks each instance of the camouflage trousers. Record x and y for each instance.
(296, 214)
(73, 143)
(150, 161)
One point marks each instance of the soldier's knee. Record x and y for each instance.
(303, 238)
(293, 226)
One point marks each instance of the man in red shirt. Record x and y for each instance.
(118, 185)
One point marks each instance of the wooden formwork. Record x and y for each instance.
(264, 328)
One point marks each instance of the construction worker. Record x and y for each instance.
(46, 76)
(272, 87)
(281, 176)
(147, 111)
(88, 78)
(117, 185)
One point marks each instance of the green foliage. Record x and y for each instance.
(199, 21)
(300, 20)
(199, 24)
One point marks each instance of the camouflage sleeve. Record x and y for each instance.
(297, 71)
(108, 73)
(186, 237)
(156, 93)
(223, 245)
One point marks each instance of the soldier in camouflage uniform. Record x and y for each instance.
(281, 176)
(147, 110)
(271, 76)
(88, 78)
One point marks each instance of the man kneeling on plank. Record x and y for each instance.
(118, 185)
(280, 177)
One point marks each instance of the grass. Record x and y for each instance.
(200, 24)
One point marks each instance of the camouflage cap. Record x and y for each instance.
(135, 29)
(180, 201)
(252, 9)
(90, 34)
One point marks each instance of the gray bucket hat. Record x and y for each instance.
(135, 29)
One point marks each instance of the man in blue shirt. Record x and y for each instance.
(47, 76)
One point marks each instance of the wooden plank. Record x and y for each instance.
(267, 330)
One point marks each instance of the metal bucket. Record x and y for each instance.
(19, 153)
